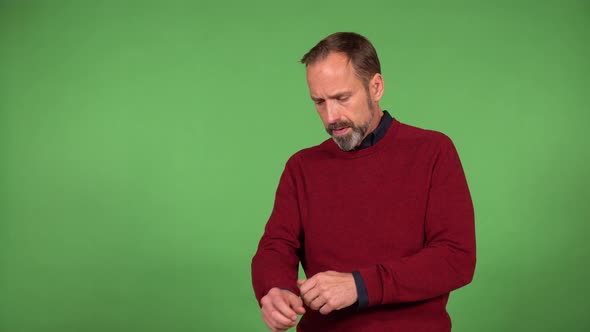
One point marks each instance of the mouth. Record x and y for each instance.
(340, 131)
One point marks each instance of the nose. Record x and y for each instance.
(332, 112)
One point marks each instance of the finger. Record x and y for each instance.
(283, 307)
(272, 315)
(280, 321)
(300, 282)
(271, 323)
(311, 295)
(299, 310)
(326, 309)
(317, 303)
(307, 285)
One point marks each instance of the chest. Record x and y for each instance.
(356, 213)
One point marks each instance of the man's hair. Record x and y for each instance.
(357, 48)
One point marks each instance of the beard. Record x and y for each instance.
(351, 140)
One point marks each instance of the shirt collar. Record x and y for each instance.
(377, 134)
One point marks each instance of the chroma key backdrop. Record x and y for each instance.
(141, 143)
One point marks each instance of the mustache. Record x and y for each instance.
(338, 125)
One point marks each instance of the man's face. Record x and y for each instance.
(341, 99)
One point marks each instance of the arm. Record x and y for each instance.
(447, 260)
(276, 262)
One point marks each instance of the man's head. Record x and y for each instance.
(345, 82)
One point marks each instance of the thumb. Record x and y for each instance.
(297, 304)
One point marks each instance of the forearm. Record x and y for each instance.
(432, 272)
(276, 261)
(273, 266)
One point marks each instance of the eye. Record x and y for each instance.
(318, 102)
(343, 98)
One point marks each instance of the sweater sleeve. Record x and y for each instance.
(447, 260)
(276, 261)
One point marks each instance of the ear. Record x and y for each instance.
(376, 87)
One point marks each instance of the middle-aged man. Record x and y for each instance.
(380, 216)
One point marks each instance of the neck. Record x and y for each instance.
(377, 115)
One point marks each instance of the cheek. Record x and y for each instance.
(322, 116)
(356, 111)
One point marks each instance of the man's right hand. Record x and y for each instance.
(280, 308)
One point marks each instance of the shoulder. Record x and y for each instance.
(412, 134)
(414, 137)
(324, 150)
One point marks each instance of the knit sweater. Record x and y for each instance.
(399, 212)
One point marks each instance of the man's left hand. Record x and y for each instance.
(328, 291)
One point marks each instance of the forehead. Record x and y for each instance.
(334, 71)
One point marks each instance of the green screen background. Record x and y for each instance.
(141, 144)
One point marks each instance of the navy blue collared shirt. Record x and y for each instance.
(371, 139)
(377, 134)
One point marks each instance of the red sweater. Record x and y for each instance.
(398, 212)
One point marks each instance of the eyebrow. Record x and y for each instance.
(337, 95)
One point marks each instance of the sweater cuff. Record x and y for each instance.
(294, 291)
(361, 290)
(373, 284)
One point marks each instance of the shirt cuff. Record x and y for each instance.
(363, 297)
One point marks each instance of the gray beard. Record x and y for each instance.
(351, 140)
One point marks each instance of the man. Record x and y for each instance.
(380, 216)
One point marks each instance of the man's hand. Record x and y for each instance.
(328, 291)
(280, 308)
